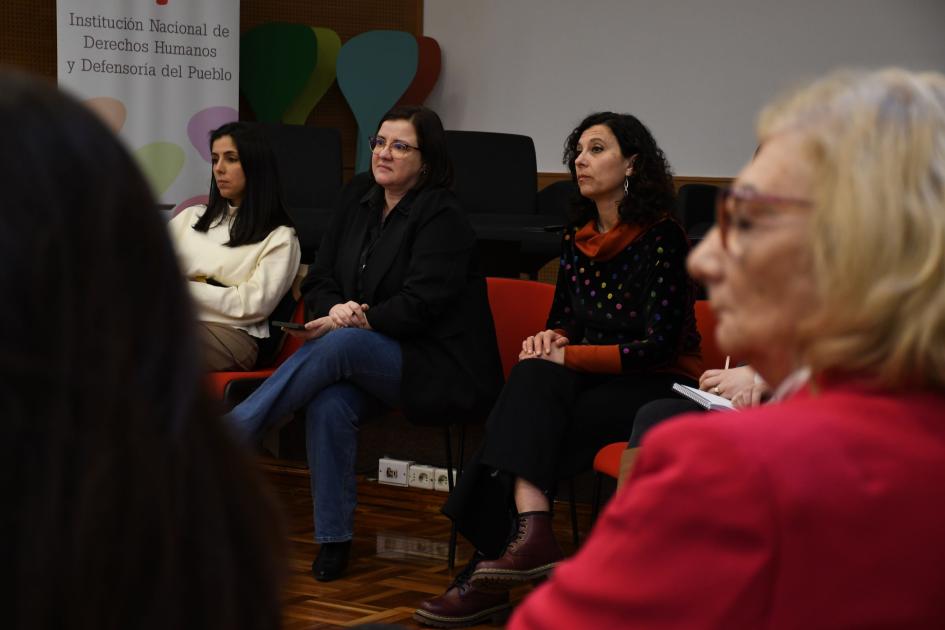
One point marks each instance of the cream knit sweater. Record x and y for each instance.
(256, 276)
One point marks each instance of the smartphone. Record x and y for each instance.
(288, 325)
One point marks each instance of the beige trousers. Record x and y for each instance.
(227, 349)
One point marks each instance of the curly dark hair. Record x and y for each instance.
(652, 194)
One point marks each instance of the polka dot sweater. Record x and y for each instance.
(625, 301)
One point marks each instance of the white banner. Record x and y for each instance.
(162, 73)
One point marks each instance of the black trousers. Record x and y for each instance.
(657, 412)
(547, 424)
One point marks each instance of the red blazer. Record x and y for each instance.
(825, 511)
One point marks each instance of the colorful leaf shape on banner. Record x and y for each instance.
(193, 201)
(374, 71)
(319, 81)
(110, 110)
(203, 122)
(161, 163)
(276, 60)
(428, 71)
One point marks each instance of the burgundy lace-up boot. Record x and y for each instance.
(463, 604)
(531, 554)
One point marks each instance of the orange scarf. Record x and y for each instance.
(603, 247)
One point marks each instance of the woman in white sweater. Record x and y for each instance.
(239, 252)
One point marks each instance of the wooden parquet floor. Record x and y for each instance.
(398, 555)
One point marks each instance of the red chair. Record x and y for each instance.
(712, 357)
(222, 383)
(519, 309)
(607, 460)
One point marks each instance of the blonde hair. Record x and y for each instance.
(877, 145)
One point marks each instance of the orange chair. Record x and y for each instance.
(222, 383)
(607, 460)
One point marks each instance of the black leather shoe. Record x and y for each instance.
(332, 560)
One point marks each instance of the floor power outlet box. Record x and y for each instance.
(421, 476)
(442, 482)
(392, 471)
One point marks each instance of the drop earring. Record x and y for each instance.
(626, 185)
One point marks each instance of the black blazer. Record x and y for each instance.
(423, 288)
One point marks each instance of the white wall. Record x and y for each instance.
(695, 71)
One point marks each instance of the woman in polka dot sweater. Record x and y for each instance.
(621, 331)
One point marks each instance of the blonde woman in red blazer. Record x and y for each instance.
(828, 509)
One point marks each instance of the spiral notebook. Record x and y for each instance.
(709, 401)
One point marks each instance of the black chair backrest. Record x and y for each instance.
(309, 161)
(269, 347)
(556, 198)
(695, 205)
(494, 172)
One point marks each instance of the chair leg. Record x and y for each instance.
(449, 457)
(462, 451)
(451, 557)
(574, 523)
(595, 498)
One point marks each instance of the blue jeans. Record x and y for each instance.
(339, 379)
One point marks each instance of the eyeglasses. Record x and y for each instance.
(398, 149)
(739, 210)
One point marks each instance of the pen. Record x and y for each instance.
(727, 359)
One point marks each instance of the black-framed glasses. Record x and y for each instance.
(738, 209)
(398, 149)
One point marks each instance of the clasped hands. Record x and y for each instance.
(346, 315)
(548, 345)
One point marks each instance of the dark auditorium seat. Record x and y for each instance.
(496, 181)
(695, 206)
(496, 173)
(555, 199)
(309, 161)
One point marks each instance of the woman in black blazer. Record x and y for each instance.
(400, 319)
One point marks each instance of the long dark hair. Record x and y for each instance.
(652, 194)
(262, 209)
(127, 502)
(437, 169)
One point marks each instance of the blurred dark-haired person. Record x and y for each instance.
(620, 332)
(127, 504)
(400, 318)
(826, 509)
(239, 252)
